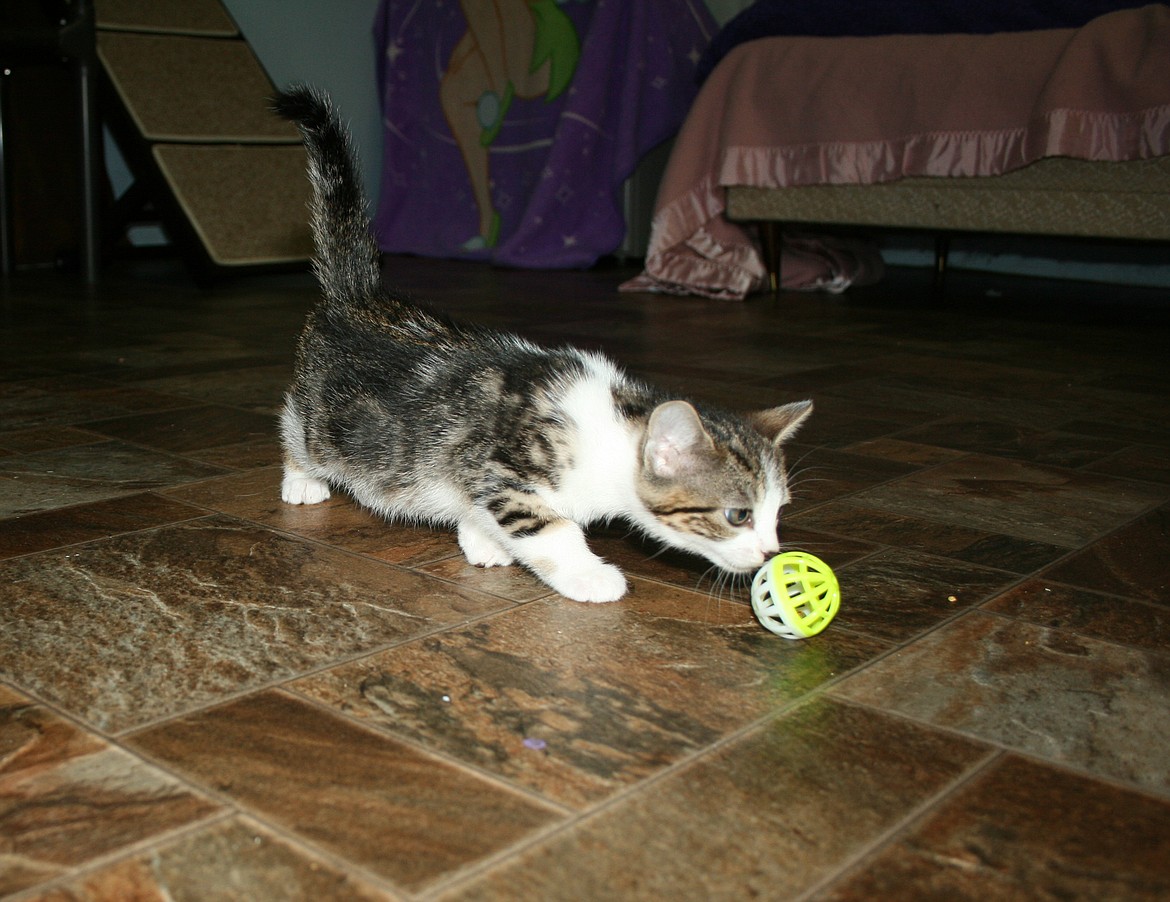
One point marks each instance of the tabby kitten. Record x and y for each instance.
(517, 446)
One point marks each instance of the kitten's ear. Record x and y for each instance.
(780, 423)
(675, 438)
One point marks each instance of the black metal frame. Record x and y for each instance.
(71, 40)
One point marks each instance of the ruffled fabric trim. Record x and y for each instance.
(1081, 134)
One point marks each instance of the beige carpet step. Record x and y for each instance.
(247, 203)
(197, 97)
(180, 88)
(205, 17)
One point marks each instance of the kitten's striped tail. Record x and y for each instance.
(347, 261)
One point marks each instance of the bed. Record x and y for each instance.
(1042, 118)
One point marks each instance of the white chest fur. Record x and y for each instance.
(604, 450)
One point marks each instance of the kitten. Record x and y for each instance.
(517, 446)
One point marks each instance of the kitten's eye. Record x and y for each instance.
(738, 516)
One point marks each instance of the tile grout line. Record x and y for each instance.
(235, 808)
(916, 471)
(1153, 505)
(998, 744)
(1036, 574)
(284, 682)
(197, 514)
(123, 853)
(1072, 630)
(460, 764)
(414, 568)
(901, 827)
(621, 796)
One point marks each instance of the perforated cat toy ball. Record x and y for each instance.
(795, 595)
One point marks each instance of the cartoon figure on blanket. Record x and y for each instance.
(512, 48)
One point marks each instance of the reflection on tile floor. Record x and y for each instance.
(205, 693)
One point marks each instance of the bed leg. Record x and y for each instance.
(770, 245)
(942, 246)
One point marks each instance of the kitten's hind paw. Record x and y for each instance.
(481, 551)
(599, 583)
(303, 490)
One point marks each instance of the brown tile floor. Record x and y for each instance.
(207, 694)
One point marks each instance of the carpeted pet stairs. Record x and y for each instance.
(191, 100)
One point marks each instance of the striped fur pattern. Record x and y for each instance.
(516, 446)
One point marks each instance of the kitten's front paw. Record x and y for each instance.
(303, 490)
(599, 583)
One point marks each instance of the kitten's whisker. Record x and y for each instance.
(803, 477)
(706, 573)
(798, 484)
(715, 595)
(811, 450)
(662, 549)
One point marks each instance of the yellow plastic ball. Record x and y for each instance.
(795, 595)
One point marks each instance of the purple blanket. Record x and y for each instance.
(510, 125)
